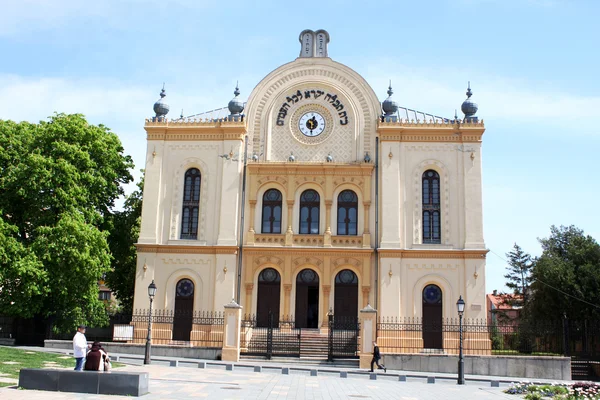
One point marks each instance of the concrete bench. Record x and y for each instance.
(61, 380)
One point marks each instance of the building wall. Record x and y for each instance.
(391, 278)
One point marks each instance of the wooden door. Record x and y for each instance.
(183, 316)
(269, 289)
(432, 317)
(346, 295)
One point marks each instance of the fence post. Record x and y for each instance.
(232, 321)
(270, 336)
(330, 335)
(566, 348)
(368, 334)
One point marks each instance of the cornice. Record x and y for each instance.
(181, 249)
(430, 132)
(433, 253)
(316, 252)
(195, 130)
(312, 169)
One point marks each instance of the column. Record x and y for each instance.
(327, 236)
(368, 334)
(287, 293)
(250, 222)
(325, 308)
(231, 332)
(289, 235)
(249, 288)
(366, 240)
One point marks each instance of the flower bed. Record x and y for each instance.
(575, 391)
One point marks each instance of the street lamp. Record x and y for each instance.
(151, 293)
(460, 305)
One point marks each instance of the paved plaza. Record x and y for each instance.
(215, 382)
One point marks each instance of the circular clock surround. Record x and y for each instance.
(302, 115)
(311, 124)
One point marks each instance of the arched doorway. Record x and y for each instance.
(432, 317)
(307, 299)
(346, 294)
(183, 316)
(269, 289)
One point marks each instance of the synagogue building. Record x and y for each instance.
(317, 195)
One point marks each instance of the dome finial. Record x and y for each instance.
(469, 107)
(389, 106)
(161, 108)
(235, 105)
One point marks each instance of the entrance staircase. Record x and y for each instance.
(311, 347)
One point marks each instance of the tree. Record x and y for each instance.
(124, 227)
(567, 272)
(58, 179)
(519, 274)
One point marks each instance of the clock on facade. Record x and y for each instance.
(311, 124)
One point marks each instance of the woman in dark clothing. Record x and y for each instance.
(95, 358)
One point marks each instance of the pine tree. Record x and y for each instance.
(519, 274)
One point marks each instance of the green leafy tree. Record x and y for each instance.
(566, 277)
(124, 232)
(58, 179)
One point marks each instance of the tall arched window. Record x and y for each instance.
(271, 211)
(309, 212)
(431, 207)
(347, 215)
(191, 204)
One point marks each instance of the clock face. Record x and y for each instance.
(311, 124)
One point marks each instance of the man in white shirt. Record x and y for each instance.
(79, 347)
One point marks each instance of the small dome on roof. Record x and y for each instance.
(389, 106)
(236, 106)
(161, 108)
(469, 107)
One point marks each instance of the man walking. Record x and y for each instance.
(376, 358)
(79, 347)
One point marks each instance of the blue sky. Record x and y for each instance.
(533, 67)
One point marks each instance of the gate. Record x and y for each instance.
(343, 337)
(279, 338)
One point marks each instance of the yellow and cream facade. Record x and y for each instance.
(328, 193)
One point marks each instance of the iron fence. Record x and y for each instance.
(413, 335)
(169, 327)
(6, 327)
(343, 337)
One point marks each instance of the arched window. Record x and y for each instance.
(191, 204)
(347, 215)
(431, 207)
(271, 211)
(309, 212)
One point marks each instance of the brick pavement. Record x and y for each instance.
(243, 383)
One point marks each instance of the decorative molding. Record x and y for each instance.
(297, 73)
(185, 261)
(432, 266)
(287, 287)
(307, 260)
(444, 198)
(185, 249)
(449, 254)
(177, 194)
(304, 252)
(346, 261)
(268, 259)
(264, 179)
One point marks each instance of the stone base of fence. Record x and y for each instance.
(158, 350)
(506, 366)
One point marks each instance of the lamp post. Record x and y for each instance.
(151, 293)
(460, 305)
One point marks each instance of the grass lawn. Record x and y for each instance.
(13, 359)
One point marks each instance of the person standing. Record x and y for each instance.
(79, 347)
(376, 358)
